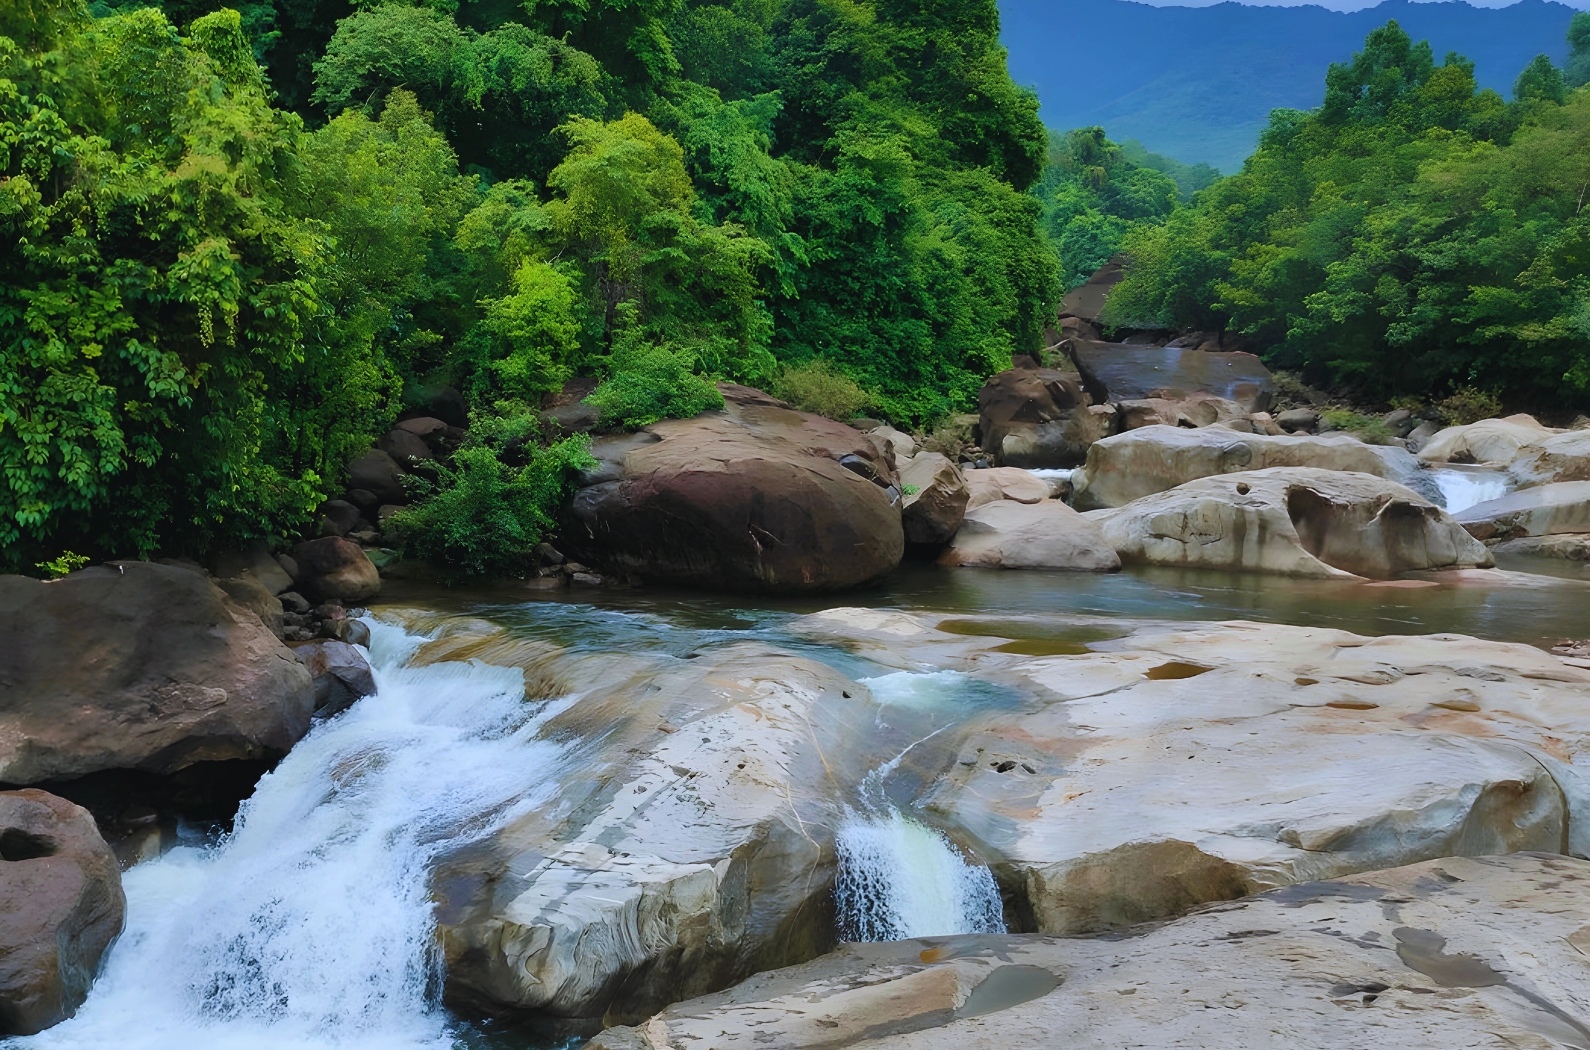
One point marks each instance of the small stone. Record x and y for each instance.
(585, 579)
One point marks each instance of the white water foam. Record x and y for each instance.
(899, 879)
(1462, 489)
(310, 927)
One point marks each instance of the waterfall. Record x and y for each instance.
(1462, 489)
(310, 925)
(900, 879)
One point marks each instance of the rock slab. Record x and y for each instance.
(1294, 521)
(61, 907)
(1457, 954)
(1115, 372)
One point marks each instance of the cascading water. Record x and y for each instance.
(897, 877)
(1462, 489)
(900, 879)
(310, 925)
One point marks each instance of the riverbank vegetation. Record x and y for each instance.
(1413, 236)
(238, 244)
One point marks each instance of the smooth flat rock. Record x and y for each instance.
(1561, 457)
(934, 498)
(1162, 769)
(1152, 459)
(756, 497)
(1492, 441)
(1543, 510)
(1455, 954)
(1295, 521)
(690, 843)
(1115, 372)
(139, 666)
(61, 908)
(1007, 534)
(1004, 483)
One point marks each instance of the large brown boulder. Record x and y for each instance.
(139, 666)
(378, 473)
(755, 497)
(1039, 417)
(1152, 459)
(934, 498)
(332, 567)
(1294, 521)
(1117, 372)
(61, 907)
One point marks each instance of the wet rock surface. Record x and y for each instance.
(139, 666)
(1115, 372)
(61, 907)
(1039, 417)
(1479, 952)
(1544, 510)
(1295, 521)
(755, 497)
(690, 845)
(1168, 768)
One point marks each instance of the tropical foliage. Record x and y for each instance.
(237, 244)
(1414, 234)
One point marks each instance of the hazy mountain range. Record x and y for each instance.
(1198, 83)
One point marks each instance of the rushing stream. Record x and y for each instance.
(310, 925)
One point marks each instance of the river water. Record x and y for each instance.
(309, 925)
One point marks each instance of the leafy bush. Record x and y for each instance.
(651, 381)
(1366, 428)
(485, 516)
(819, 387)
(62, 565)
(1468, 405)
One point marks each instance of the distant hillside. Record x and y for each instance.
(1198, 84)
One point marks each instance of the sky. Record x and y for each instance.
(1336, 5)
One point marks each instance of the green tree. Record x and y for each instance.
(1577, 71)
(1541, 81)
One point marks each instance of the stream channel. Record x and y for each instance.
(310, 926)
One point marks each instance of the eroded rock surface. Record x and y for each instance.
(61, 907)
(139, 666)
(1141, 462)
(1004, 483)
(1544, 510)
(755, 497)
(1294, 521)
(690, 843)
(1491, 441)
(1007, 534)
(1456, 953)
(1040, 417)
(1170, 768)
(1561, 457)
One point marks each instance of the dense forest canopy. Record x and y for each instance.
(1412, 234)
(237, 243)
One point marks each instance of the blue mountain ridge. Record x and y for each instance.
(1198, 83)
